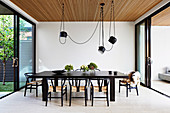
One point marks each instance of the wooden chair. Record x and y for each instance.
(101, 87)
(32, 83)
(131, 83)
(61, 89)
(75, 86)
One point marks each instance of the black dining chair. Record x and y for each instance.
(102, 86)
(76, 86)
(56, 89)
(32, 83)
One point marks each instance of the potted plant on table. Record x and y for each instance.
(84, 68)
(69, 67)
(92, 66)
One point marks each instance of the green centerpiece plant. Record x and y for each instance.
(92, 66)
(69, 67)
(84, 68)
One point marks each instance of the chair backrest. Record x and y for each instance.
(136, 78)
(130, 75)
(27, 75)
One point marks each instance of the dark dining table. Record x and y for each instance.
(45, 75)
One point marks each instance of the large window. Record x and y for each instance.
(17, 49)
(25, 49)
(160, 35)
(152, 50)
(141, 50)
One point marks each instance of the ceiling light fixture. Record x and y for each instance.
(112, 39)
(63, 34)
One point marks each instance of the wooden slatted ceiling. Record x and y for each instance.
(162, 18)
(85, 10)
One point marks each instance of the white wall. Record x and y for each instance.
(160, 49)
(52, 55)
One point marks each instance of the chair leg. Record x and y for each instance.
(119, 85)
(92, 95)
(126, 89)
(137, 90)
(85, 97)
(50, 95)
(129, 88)
(70, 96)
(66, 93)
(61, 96)
(107, 97)
(25, 90)
(30, 88)
(36, 90)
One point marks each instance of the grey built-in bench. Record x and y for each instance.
(165, 77)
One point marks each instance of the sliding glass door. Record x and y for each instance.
(25, 49)
(143, 58)
(17, 49)
(141, 50)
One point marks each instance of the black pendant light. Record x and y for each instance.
(63, 33)
(101, 48)
(112, 39)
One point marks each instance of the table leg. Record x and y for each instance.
(105, 82)
(56, 81)
(112, 89)
(44, 89)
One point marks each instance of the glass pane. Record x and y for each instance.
(141, 50)
(25, 49)
(160, 35)
(6, 54)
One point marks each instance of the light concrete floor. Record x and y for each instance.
(161, 86)
(148, 101)
(4, 93)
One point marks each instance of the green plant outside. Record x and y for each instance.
(6, 38)
(8, 87)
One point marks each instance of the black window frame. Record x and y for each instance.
(148, 36)
(17, 15)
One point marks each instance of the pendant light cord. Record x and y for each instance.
(102, 27)
(111, 12)
(87, 39)
(113, 6)
(62, 25)
(92, 33)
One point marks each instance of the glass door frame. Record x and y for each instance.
(147, 51)
(18, 48)
(147, 21)
(17, 15)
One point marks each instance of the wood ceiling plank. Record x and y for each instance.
(84, 10)
(162, 18)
